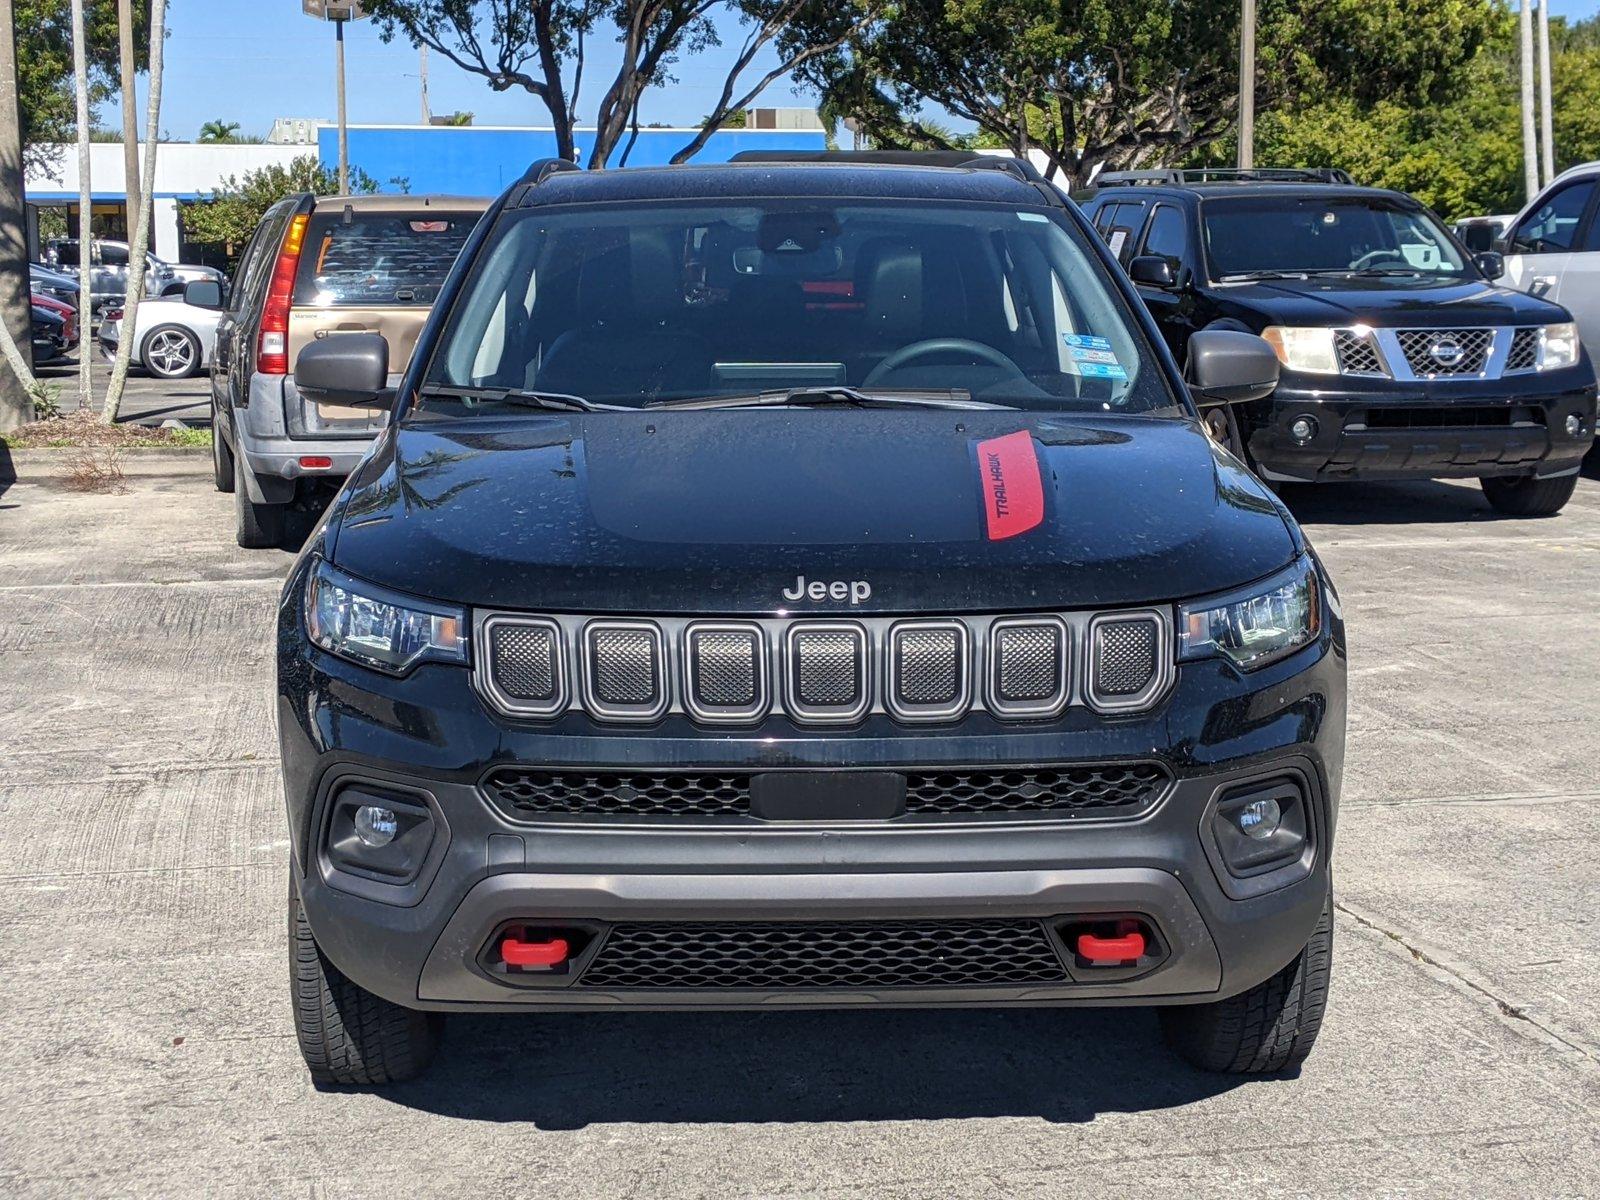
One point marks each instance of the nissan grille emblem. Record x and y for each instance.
(1446, 351)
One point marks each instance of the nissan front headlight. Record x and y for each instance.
(1558, 346)
(1258, 627)
(378, 628)
(1303, 348)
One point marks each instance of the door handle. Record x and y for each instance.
(1543, 285)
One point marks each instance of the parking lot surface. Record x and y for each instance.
(146, 400)
(148, 1046)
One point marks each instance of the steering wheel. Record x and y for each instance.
(1373, 257)
(943, 345)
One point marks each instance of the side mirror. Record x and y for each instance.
(351, 369)
(1228, 367)
(1478, 236)
(1153, 271)
(1491, 262)
(203, 293)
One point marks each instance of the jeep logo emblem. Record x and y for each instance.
(1446, 351)
(857, 591)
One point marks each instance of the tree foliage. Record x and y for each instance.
(540, 47)
(228, 216)
(44, 64)
(1130, 83)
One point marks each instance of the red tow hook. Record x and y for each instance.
(1126, 947)
(515, 952)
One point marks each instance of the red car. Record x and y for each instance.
(63, 310)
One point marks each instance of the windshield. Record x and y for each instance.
(649, 304)
(1316, 234)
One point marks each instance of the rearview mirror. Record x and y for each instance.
(1491, 262)
(1152, 270)
(203, 293)
(351, 369)
(1229, 367)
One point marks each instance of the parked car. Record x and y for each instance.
(49, 336)
(187, 273)
(1483, 230)
(803, 582)
(314, 269)
(1402, 358)
(175, 338)
(108, 278)
(46, 281)
(67, 313)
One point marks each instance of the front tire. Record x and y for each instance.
(1267, 1029)
(1521, 496)
(260, 526)
(348, 1036)
(170, 352)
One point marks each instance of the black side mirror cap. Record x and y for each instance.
(1478, 236)
(1153, 271)
(1229, 367)
(1491, 262)
(203, 293)
(351, 369)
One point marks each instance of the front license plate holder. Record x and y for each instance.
(827, 795)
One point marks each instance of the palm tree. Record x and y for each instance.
(218, 131)
(80, 70)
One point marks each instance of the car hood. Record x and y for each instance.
(1422, 303)
(723, 511)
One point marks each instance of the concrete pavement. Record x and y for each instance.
(146, 400)
(148, 1049)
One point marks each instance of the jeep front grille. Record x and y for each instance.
(827, 671)
(930, 953)
(1103, 790)
(1125, 660)
(622, 668)
(930, 668)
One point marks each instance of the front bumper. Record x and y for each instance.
(1383, 429)
(428, 735)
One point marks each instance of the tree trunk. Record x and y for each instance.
(86, 326)
(17, 384)
(130, 110)
(141, 237)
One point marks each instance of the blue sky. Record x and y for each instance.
(253, 60)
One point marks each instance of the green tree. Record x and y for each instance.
(1130, 83)
(44, 64)
(219, 131)
(228, 216)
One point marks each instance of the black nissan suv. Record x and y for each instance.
(1401, 358)
(803, 583)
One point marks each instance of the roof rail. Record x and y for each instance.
(1020, 167)
(541, 169)
(1180, 175)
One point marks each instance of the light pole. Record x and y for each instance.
(338, 11)
(1247, 85)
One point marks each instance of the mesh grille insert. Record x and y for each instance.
(623, 666)
(725, 668)
(927, 666)
(827, 668)
(1357, 354)
(1524, 354)
(1029, 658)
(524, 658)
(526, 793)
(1125, 657)
(1446, 351)
(841, 954)
(1132, 786)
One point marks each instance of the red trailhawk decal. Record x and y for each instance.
(1013, 494)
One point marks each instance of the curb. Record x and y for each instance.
(55, 463)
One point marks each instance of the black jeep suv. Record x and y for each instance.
(1401, 359)
(793, 584)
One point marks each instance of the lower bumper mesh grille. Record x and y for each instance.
(841, 954)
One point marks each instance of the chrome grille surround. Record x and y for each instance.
(722, 682)
(624, 670)
(1118, 645)
(929, 676)
(827, 677)
(1042, 646)
(987, 639)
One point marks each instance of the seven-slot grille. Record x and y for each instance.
(1103, 790)
(823, 670)
(823, 954)
(1446, 351)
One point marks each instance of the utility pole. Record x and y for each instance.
(16, 405)
(1547, 141)
(344, 128)
(1247, 85)
(86, 327)
(427, 112)
(1530, 149)
(130, 111)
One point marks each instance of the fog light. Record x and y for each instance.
(377, 826)
(1574, 425)
(1260, 818)
(1303, 429)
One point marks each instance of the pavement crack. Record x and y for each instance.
(1506, 1008)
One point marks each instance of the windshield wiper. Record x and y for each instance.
(822, 397)
(554, 401)
(1370, 272)
(1243, 275)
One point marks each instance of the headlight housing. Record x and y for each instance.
(1258, 626)
(378, 628)
(1558, 347)
(1304, 348)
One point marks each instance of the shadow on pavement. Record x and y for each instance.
(566, 1071)
(8, 470)
(1417, 502)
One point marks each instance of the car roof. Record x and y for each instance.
(388, 203)
(1254, 188)
(756, 179)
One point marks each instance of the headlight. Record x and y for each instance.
(1558, 346)
(378, 628)
(1303, 349)
(1257, 628)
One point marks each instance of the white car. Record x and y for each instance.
(174, 340)
(1552, 248)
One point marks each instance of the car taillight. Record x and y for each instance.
(272, 351)
(114, 314)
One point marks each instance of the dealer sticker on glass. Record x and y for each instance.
(1091, 356)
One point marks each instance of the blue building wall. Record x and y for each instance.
(484, 162)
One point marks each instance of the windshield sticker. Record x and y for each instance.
(1013, 493)
(1092, 357)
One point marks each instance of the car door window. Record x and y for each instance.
(1167, 235)
(1553, 227)
(113, 256)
